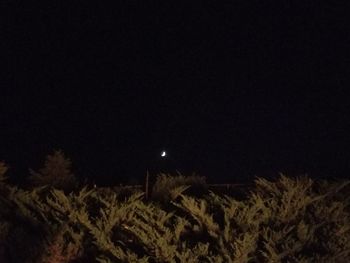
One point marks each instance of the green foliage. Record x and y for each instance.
(289, 220)
(55, 173)
(65, 246)
(169, 187)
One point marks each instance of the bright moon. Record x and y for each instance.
(163, 154)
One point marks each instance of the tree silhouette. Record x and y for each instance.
(56, 172)
(3, 170)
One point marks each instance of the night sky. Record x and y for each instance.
(231, 90)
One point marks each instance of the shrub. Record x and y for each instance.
(288, 220)
(61, 248)
(168, 187)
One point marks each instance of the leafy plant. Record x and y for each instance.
(62, 248)
(287, 220)
(166, 186)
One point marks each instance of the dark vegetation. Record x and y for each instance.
(57, 220)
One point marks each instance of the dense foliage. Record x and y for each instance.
(289, 220)
(168, 187)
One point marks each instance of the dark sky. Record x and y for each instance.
(230, 90)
